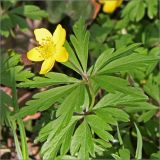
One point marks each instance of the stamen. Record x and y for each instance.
(46, 40)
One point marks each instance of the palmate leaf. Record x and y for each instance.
(9, 61)
(71, 103)
(51, 78)
(10, 69)
(52, 145)
(108, 55)
(17, 20)
(73, 62)
(79, 56)
(44, 100)
(146, 116)
(15, 16)
(99, 126)
(117, 114)
(80, 42)
(135, 10)
(66, 141)
(112, 84)
(128, 63)
(117, 98)
(6, 101)
(82, 142)
(124, 154)
(6, 25)
(152, 89)
(30, 11)
(139, 107)
(64, 112)
(152, 8)
(17, 72)
(55, 128)
(108, 119)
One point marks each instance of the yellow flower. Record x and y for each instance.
(110, 5)
(50, 48)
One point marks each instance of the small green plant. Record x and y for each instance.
(13, 15)
(87, 110)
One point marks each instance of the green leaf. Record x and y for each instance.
(57, 10)
(30, 11)
(11, 70)
(139, 107)
(135, 10)
(71, 103)
(129, 63)
(152, 89)
(44, 100)
(80, 42)
(68, 157)
(116, 113)
(6, 101)
(19, 75)
(99, 127)
(155, 156)
(116, 157)
(150, 35)
(53, 126)
(66, 142)
(112, 84)
(9, 61)
(73, 62)
(108, 55)
(17, 20)
(82, 142)
(51, 146)
(119, 136)
(6, 25)
(96, 121)
(51, 78)
(152, 8)
(124, 154)
(108, 119)
(147, 116)
(139, 144)
(117, 98)
(102, 59)
(103, 143)
(16, 141)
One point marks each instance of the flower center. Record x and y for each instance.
(47, 48)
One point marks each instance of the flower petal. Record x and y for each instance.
(47, 65)
(109, 6)
(59, 36)
(61, 55)
(34, 54)
(42, 35)
(101, 1)
(119, 2)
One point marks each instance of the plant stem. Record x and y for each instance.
(91, 90)
(92, 94)
(20, 122)
(23, 140)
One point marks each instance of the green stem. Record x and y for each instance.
(92, 95)
(20, 123)
(23, 140)
(91, 90)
